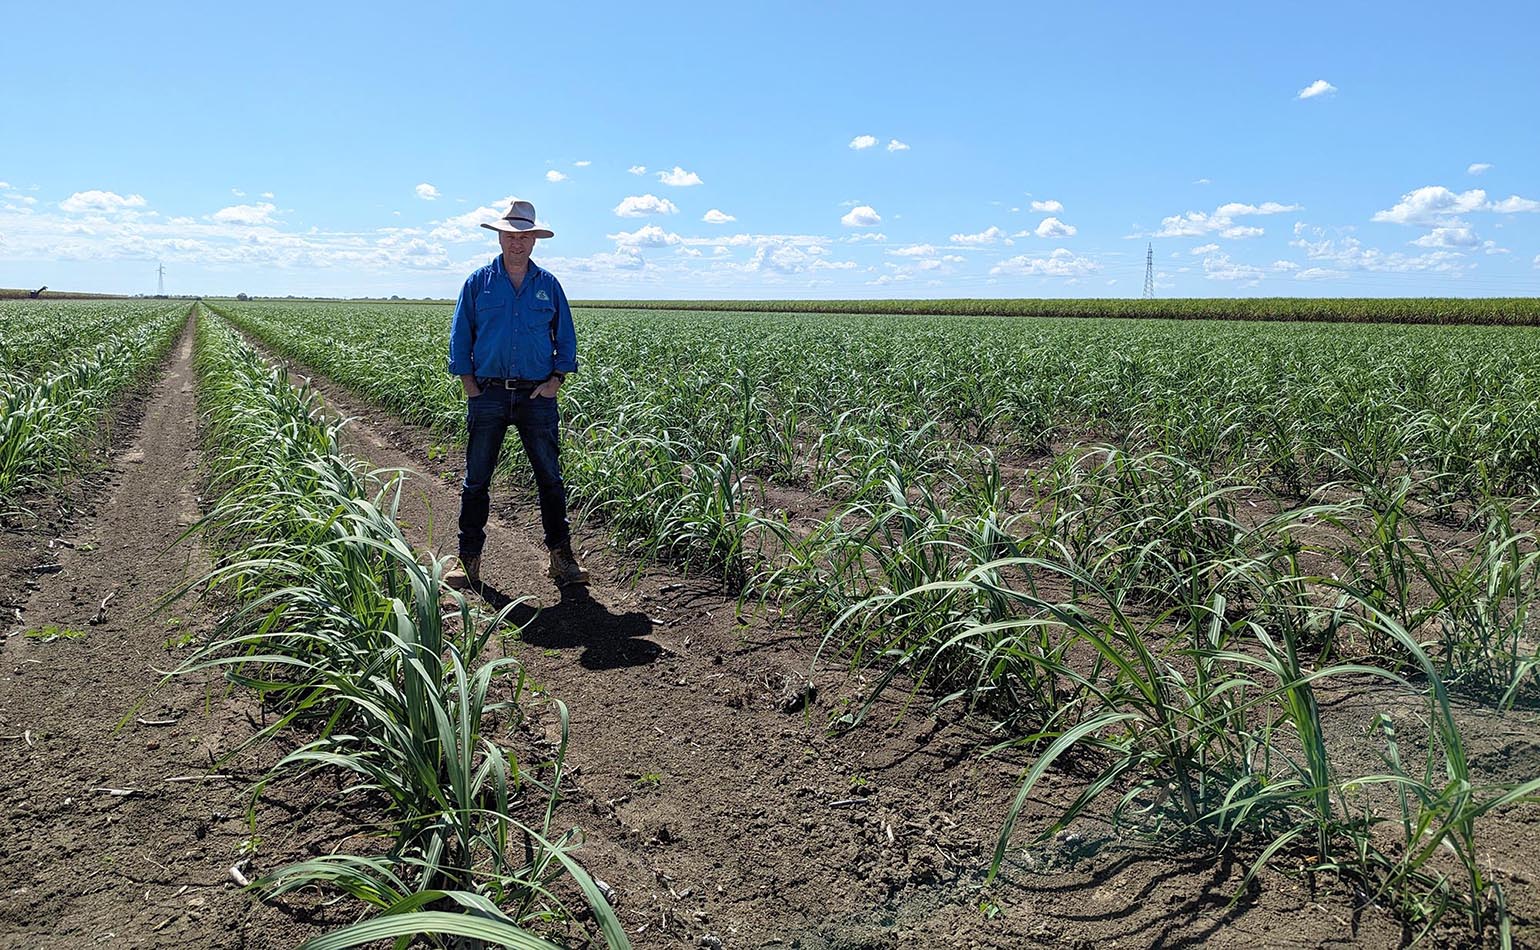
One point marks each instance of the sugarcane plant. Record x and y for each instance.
(337, 624)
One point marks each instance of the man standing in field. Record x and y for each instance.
(512, 344)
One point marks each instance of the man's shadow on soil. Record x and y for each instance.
(609, 641)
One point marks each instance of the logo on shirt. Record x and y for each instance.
(541, 295)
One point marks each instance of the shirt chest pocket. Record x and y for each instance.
(490, 308)
(537, 316)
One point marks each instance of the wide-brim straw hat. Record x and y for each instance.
(520, 219)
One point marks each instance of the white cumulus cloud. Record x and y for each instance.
(914, 250)
(1048, 207)
(637, 169)
(989, 235)
(553, 176)
(241, 237)
(679, 178)
(1350, 254)
(1204, 249)
(1440, 206)
(648, 235)
(717, 217)
(1060, 263)
(1318, 88)
(861, 216)
(250, 215)
(582, 164)
(863, 141)
(623, 260)
(1320, 273)
(1513, 204)
(1221, 221)
(100, 201)
(638, 206)
(1054, 228)
(1220, 267)
(1267, 207)
(894, 145)
(1478, 168)
(466, 228)
(787, 259)
(1448, 237)
(1433, 204)
(426, 192)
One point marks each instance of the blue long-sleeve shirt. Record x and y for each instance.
(500, 333)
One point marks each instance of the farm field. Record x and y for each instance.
(60, 365)
(1503, 311)
(906, 630)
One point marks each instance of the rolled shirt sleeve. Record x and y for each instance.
(462, 332)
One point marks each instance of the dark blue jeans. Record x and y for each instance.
(488, 417)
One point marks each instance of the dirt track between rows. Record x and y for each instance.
(115, 838)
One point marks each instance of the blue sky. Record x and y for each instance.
(787, 150)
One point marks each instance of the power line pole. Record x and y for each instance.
(160, 287)
(1149, 271)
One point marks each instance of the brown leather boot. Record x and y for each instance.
(565, 568)
(466, 575)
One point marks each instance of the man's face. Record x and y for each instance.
(516, 247)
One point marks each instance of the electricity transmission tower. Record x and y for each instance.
(1149, 271)
(160, 288)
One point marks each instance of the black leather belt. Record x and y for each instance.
(497, 383)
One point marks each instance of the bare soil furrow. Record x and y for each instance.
(119, 836)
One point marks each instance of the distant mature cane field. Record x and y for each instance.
(1267, 590)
